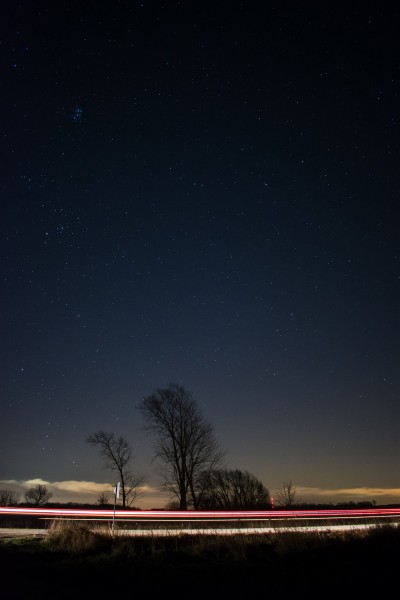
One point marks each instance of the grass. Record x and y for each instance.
(74, 560)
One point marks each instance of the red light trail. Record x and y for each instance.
(140, 515)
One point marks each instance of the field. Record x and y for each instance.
(75, 562)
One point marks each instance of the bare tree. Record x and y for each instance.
(38, 495)
(103, 499)
(117, 455)
(9, 497)
(185, 443)
(287, 494)
(234, 490)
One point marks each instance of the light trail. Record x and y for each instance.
(160, 523)
(163, 515)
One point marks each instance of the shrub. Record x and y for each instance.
(76, 538)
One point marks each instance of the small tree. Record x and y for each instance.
(103, 499)
(226, 489)
(38, 495)
(287, 494)
(117, 455)
(9, 497)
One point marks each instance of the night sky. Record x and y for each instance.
(202, 193)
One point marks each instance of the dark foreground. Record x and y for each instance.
(299, 566)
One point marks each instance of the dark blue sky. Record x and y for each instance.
(202, 194)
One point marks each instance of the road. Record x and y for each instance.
(8, 532)
(167, 523)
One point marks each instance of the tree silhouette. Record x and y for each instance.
(185, 442)
(116, 453)
(38, 495)
(226, 489)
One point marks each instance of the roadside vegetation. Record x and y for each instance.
(95, 559)
(80, 539)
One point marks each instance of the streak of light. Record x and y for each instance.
(163, 515)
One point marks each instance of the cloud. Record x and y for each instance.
(366, 493)
(75, 490)
(77, 487)
(80, 487)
